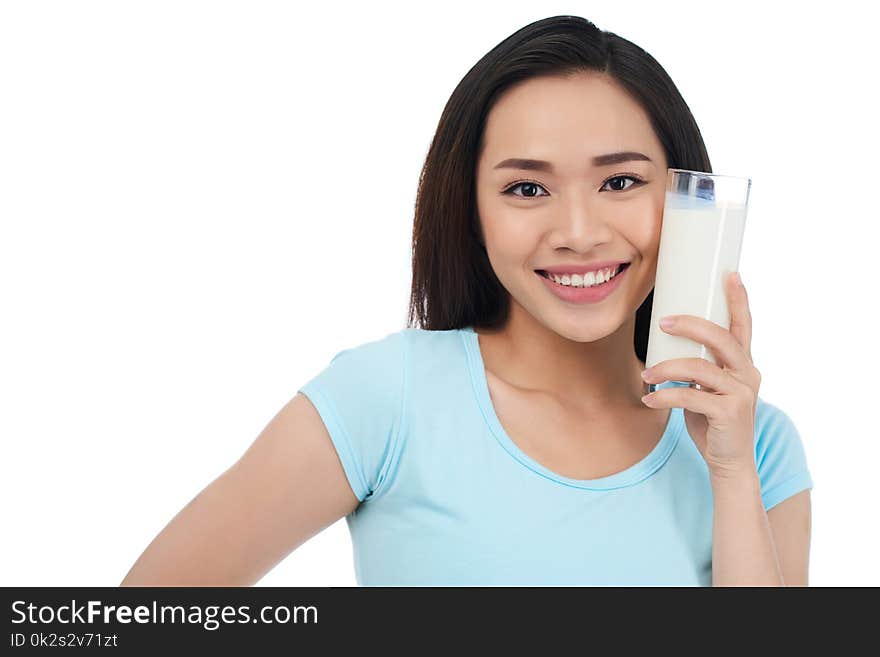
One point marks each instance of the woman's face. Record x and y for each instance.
(579, 212)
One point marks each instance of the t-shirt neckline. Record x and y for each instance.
(628, 477)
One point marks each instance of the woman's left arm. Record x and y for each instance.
(751, 547)
(743, 550)
(791, 522)
(720, 419)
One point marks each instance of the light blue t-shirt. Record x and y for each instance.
(448, 499)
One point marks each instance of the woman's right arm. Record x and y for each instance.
(288, 486)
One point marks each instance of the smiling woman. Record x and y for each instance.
(501, 437)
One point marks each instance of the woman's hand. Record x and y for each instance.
(720, 417)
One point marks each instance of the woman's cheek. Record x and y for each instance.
(646, 223)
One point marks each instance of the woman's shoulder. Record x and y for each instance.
(770, 419)
(780, 454)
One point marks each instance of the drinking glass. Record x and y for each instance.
(701, 236)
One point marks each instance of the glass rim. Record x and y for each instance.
(707, 174)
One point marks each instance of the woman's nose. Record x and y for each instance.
(579, 225)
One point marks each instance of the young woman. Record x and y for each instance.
(505, 440)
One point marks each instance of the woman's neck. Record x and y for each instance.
(593, 375)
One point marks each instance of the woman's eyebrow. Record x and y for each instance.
(598, 161)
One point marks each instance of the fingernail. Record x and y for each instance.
(646, 374)
(667, 322)
(647, 399)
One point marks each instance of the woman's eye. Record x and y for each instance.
(621, 189)
(526, 185)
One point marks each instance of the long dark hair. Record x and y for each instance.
(453, 284)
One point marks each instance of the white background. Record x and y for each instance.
(203, 202)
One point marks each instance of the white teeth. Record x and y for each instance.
(589, 279)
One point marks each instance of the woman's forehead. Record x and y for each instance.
(559, 114)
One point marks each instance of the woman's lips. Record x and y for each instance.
(584, 294)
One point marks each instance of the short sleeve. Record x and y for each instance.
(360, 396)
(779, 456)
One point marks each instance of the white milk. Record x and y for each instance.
(700, 243)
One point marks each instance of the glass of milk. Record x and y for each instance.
(704, 218)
